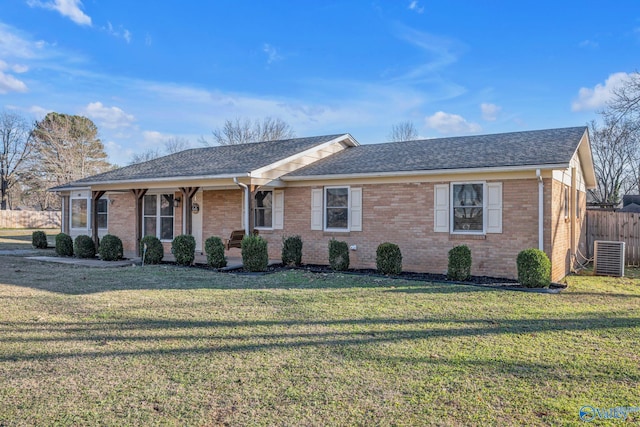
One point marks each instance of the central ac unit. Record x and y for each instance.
(608, 258)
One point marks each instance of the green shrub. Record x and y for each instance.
(534, 268)
(183, 248)
(83, 247)
(214, 248)
(39, 240)
(292, 250)
(255, 256)
(64, 245)
(338, 255)
(154, 252)
(110, 248)
(389, 258)
(459, 263)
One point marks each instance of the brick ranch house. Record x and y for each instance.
(498, 194)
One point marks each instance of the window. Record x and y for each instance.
(337, 208)
(264, 209)
(577, 203)
(468, 207)
(78, 213)
(158, 216)
(101, 212)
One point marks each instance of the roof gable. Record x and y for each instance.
(220, 161)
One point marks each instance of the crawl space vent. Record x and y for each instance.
(609, 258)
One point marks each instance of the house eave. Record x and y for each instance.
(154, 180)
(459, 171)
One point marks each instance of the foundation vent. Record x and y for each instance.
(608, 258)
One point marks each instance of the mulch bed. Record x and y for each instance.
(486, 281)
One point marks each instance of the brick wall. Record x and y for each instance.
(403, 214)
(560, 231)
(222, 213)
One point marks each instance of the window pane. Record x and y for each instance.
(337, 218)
(467, 219)
(166, 228)
(79, 213)
(263, 211)
(166, 205)
(337, 197)
(102, 220)
(150, 226)
(101, 206)
(467, 195)
(150, 205)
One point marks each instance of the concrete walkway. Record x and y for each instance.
(233, 263)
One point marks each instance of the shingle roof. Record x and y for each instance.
(540, 147)
(209, 161)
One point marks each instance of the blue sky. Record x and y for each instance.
(145, 71)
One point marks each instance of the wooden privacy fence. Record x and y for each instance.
(617, 227)
(30, 219)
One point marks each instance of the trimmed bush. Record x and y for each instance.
(338, 255)
(255, 256)
(83, 247)
(292, 250)
(459, 263)
(214, 248)
(534, 268)
(39, 240)
(388, 258)
(110, 248)
(183, 248)
(64, 245)
(155, 250)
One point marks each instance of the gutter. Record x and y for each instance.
(246, 204)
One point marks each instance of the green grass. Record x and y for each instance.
(176, 346)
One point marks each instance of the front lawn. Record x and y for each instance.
(175, 346)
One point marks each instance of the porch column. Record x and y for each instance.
(138, 194)
(187, 196)
(95, 196)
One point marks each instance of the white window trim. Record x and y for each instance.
(255, 209)
(158, 222)
(484, 209)
(324, 210)
(88, 226)
(106, 199)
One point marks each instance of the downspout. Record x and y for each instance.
(540, 211)
(246, 204)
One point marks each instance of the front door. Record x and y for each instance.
(196, 220)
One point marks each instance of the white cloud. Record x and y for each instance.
(14, 44)
(489, 111)
(68, 8)
(591, 99)
(9, 83)
(119, 32)
(272, 53)
(19, 68)
(415, 6)
(451, 123)
(589, 44)
(109, 117)
(154, 137)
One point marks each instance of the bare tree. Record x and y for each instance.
(67, 148)
(626, 100)
(171, 145)
(242, 131)
(145, 156)
(176, 144)
(15, 149)
(403, 131)
(614, 146)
